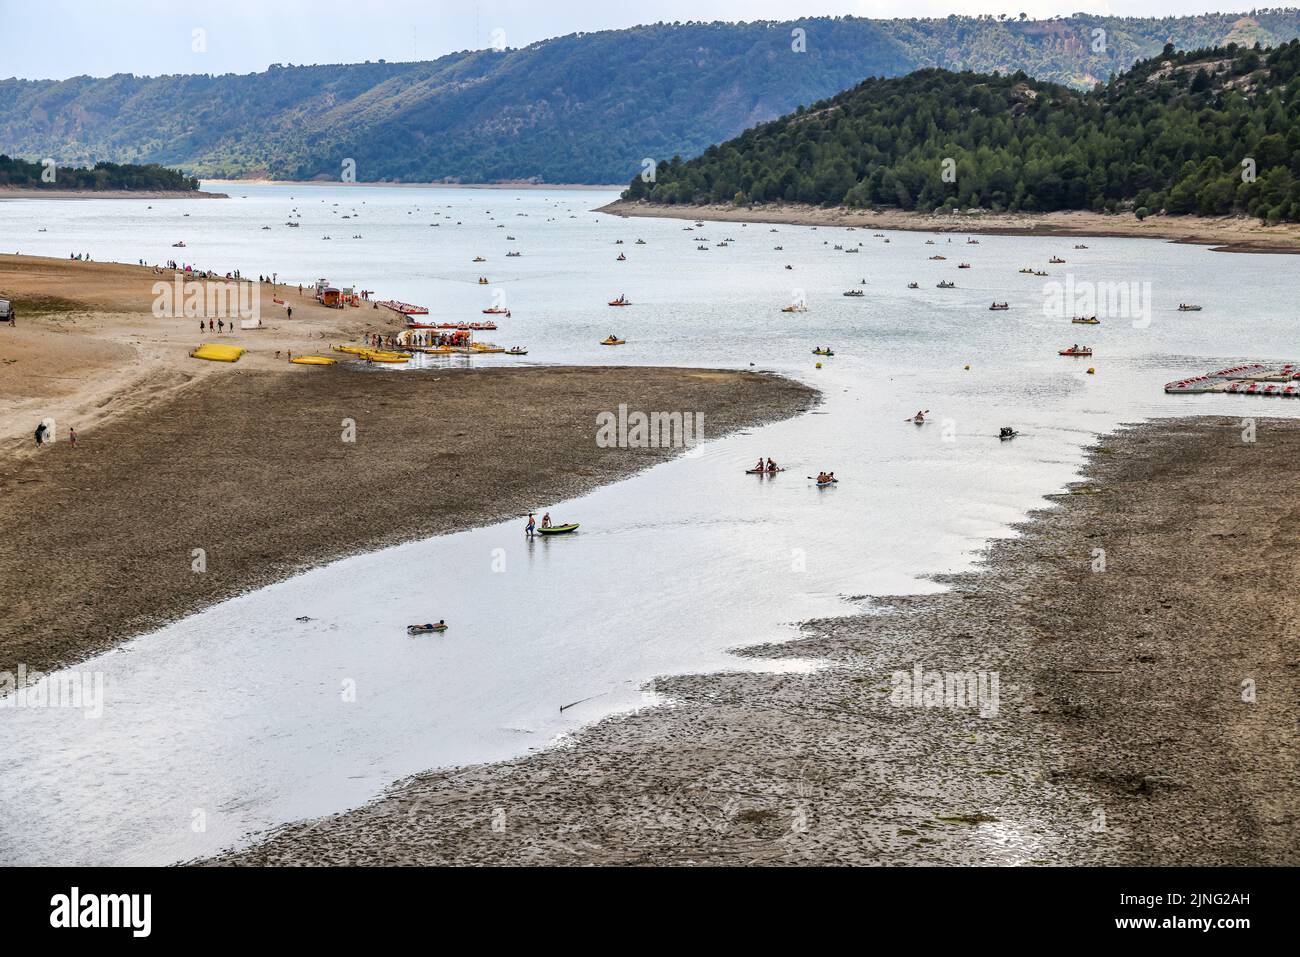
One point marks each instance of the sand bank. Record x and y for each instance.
(1145, 710)
(1226, 234)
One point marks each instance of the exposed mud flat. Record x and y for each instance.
(97, 541)
(1145, 709)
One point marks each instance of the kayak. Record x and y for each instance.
(823, 352)
(831, 482)
(1010, 435)
(516, 352)
(558, 529)
(1075, 352)
(763, 471)
(424, 629)
(313, 361)
(613, 342)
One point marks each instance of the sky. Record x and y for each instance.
(56, 39)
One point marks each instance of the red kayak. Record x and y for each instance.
(1085, 351)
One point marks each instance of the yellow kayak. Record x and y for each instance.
(215, 353)
(314, 361)
(613, 342)
(374, 355)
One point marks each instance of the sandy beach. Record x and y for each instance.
(1144, 712)
(1236, 234)
(247, 461)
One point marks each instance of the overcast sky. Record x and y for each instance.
(62, 38)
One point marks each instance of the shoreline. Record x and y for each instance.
(246, 460)
(252, 469)
(20, 192)
(1227, 234)
(1117, 739)
(330, 182)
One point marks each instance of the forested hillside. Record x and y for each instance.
(583, 108)
(15, 173)
(1212, 131)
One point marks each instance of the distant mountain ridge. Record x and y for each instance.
(584, 108)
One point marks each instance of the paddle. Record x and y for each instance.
(912, 418)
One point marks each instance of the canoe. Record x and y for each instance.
(1086, 322)
(215, 353)
(313, 361)
(558, 529)
(613, 342)
(831, 482)
(516, 352)
(424, 629)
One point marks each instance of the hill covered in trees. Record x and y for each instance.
(1212, 132)
(105, 176)
(584, 108)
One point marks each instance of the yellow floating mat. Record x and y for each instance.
(314, 361)
(216, 353)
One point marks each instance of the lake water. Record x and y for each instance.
(242, 718)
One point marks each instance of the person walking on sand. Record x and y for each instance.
(532, 525)
(40, 434)
(289, 311)
(221, 325)
(202, 327)
(72, 436)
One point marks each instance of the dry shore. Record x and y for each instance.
(248, 461)
(1146, 712)
(1226, 234)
